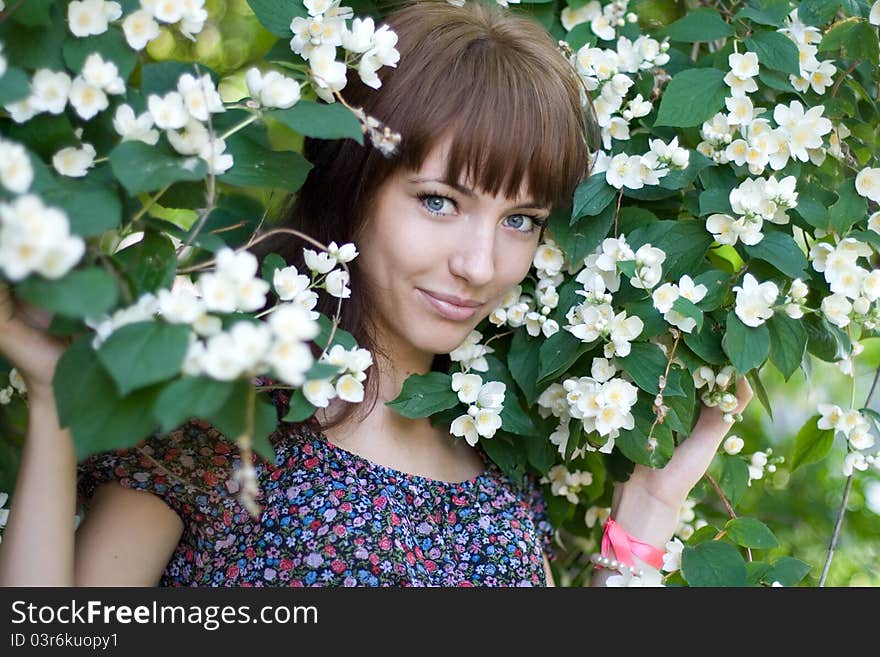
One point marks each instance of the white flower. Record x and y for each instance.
(103, 75)
(733, 445)
(345, 253)
(548, 258)
(292, 322)
(336, 284)
(36, 238)
(854, 460)
(571, 17)
(74, 162)
(650, 578)
(50, 90)
(320, 263)
(754, 301)
(214, 153)
(200, 96)
(221, 360)
(329, 74)
(319, 392)
(486, 420)
(837, 309)
(16, 381)
(218, 292)
(704, 376)
(664, 296)
(167, 11)
(87, 99)
(672, 556)
(140, 28)
(16, 172)
(168, 111)
(602, 369)
(251, 342)
(491, 395)
(272, 89)
(5, 398)
(349, 389)
(464, 426)
(874, 16)
(868, 184)
(180, 306)
(132, 128)
(291, 359)
(289, 283)
(467, 386)
(743, 66)
(90, 17)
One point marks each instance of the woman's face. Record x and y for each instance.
(425, 240)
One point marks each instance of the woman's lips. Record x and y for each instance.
(447, 309)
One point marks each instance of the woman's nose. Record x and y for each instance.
(473, 257)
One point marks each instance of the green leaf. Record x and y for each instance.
(230, 419)
(707, 343)
(717, 286)
(523, 360)
(591, 197)
(811, 444)
(579, 239)
(189, 397)
(82, 293)
(788, 571)
(301, 409)
(775, 50)
(850, 207)
(813, 211)
(34, 47)
(514, 418)
(558, 352)
(161, 77)
(320, 370)
(701, 24)
(734, 480)
(680, 178)
(755, 572)
(715, 200)
(817, 12)
(856, 37)
(754, 379)
(781, 251)
(143, 353)
(111, 45)
(646, 363)
(149, 264)
(746, 347)
(685, 243)
(92, 208)
(788, 342)
(713, 563)
(276, 15)
(540, 452)
(98, 417)
(234, 220)
(677, 106)
(256, 166)
(424, 394)
(825, 340)
(652, 320)
(144, 168)
(32, 13)
(766, 12)
(750, 533)
(14, 86)
(323, 121)
(633, 443)
(681, 408)
(689, 309)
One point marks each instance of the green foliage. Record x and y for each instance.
(424, 394)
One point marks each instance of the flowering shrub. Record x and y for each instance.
(730, 221)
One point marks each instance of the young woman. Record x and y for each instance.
(494, 137)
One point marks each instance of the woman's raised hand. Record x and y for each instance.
(25, 341)
(668, 487)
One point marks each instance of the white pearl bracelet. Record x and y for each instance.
(614, 564)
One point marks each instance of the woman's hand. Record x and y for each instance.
(647, 504)
(26, 343)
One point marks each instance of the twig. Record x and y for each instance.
(726, 504)
(844, 77)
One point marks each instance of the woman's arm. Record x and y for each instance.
(647, 504)
(126, 535)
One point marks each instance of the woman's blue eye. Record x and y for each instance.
(434, 203)
(522, 220)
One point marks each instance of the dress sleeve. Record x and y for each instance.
(538, 504)
(187, 468)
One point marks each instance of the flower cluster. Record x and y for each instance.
(754, 202)
(316, 38)
(566, 483)
(720, 388)
(16, 384)
(471, 353)
(636, 171)
(854, 288)
(665, 296)
(485, 403)
(856, 428)
(351, 367)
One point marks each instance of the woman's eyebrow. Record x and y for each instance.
(466, 191)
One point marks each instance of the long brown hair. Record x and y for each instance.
(491, 79)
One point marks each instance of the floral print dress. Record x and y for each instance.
(330, 517)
